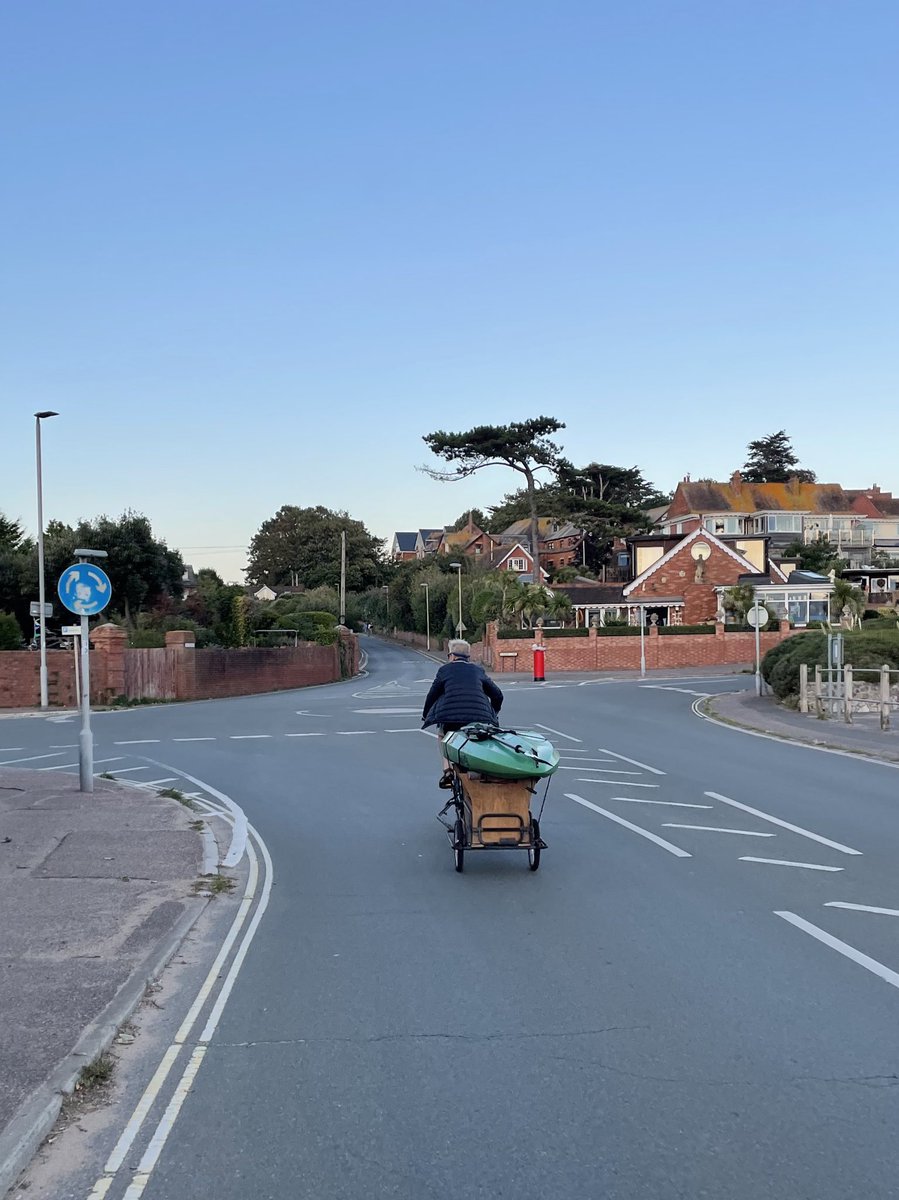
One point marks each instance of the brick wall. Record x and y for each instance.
(176, 672)
(663, 651)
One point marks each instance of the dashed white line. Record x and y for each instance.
(59, 767)
(304, 735)
(353, 732)
(601, 770)
(247, 737)
(757, 812)
(195, 739)
(558, 732)
(31, 758)
(653, 837)
(885, 912)
(850, 952)
(616, 782)
(120, 770)
(154, 782)
(416, 729)
(716, 829)
(785, 862)
(667, 803)
(16, 749)
(140, 742)
(633, 761)
(567, 753)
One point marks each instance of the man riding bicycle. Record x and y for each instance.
(462, 693)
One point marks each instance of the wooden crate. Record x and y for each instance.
(498, 810)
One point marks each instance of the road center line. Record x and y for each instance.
(886, 912)
(616, 782)
(632, 761)
(850, 952)
(756, 812)
(31, 758)
(247, 737)
(672, 849)
(784, 862)
(140, 742)
(197, 739)
(599, 770)
(558, 732)
(304, 735)
(668, 803)
(716, 829)
(353, 732)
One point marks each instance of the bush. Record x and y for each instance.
(10, 633)
(669, 629)
(619, 631)
(146, 639)
(863, 649)
(563, 633)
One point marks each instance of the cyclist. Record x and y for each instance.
(462, 692)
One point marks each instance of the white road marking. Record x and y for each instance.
(567, 754)
(197, 739)
(850, 952)
(659, 687)
(429, 733)
(667, 803)
(59, 767)
(601, 770)
(32, 758)
(784, 862)
(67, 746)
(716, 829)
(387, 711)
(633, 761)
(885, 912)
(97, 761)
(571, 750)
(239, 834)
(615, 782)
(247, 737)
(353, 732)
(415, 729)
(140, 742)
(118, 770)
(304, 735)
(756, 812)
(155, 782)
(672, 849)
(16, 749)
(558, 732)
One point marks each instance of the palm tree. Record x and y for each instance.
(846, 595)
(739, 599)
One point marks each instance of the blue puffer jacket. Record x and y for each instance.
(462, 692)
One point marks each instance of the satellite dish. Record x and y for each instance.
(701, 551)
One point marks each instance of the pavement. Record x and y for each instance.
(763, 714)
(696, 996)
(95, 893)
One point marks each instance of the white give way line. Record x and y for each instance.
(652, 837)
(806, 833)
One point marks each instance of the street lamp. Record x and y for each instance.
(385, 588)
(38, 417)
(428, 611)
(458, 567)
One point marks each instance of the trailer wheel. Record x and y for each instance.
(534, 848)
(459, 846)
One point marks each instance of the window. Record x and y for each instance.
(550, 545)
(518, 564)
(784, 523)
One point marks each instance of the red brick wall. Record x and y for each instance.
(594, 653)
(678, 578)
(20, 679)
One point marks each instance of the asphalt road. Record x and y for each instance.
(653, 1014)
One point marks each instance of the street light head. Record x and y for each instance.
(456, 566)
(40, 416)
(91, 554)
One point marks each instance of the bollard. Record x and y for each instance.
(539, 663)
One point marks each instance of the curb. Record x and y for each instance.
(36, 1116)
(703, 709)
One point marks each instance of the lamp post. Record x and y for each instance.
(428, 611)
(458, 568)
(642, 641)
(386, 590)
(41, 591)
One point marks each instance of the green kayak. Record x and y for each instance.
(502, 753)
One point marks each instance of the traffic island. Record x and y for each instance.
(96, 892)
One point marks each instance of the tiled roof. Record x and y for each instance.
(707, 496)
(597, 593)
(405, 541)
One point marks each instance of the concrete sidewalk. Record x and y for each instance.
(764, 715)
(95, 892)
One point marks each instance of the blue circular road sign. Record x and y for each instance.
(84, 589)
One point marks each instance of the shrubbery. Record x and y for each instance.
(668, 629)
(862, 649)
(10, 633)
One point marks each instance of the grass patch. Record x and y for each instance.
(96, 1074)
(177, 794)
(215, 885)
(198, 826)
(106, 775)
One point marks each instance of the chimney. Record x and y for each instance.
(736, 480)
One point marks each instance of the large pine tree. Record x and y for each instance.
(771, 460)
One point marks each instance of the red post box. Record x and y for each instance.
(539, 663)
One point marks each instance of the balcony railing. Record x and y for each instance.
(840, 537)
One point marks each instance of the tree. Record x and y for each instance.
(302, 546)
(771, 460)
(624, 487)
(475, 516)
(847, 595)
(12, 534)
(820, 555)
(524, 446)
(10, 633)
(740, 599)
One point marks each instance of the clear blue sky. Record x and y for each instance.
(253, 251)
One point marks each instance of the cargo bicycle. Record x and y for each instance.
(496, 777)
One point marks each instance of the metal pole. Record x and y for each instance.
(460, 601)
(428, 612)
(76, 648)
(41, 592)
(343, 577)
(642, 642)
(758, 655)
(86, 742)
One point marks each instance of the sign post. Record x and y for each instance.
(85, 590)
(757, 617)
(643, 642)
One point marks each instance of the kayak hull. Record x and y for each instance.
(501, 753)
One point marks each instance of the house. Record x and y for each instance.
(425, 542)
(880, 584)
(519, 559)
(782, 512)
(188, 581)
(403, 546)
(265, 593)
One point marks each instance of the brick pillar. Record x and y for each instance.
(652, 649)
(593, 647)
(180, 639)
(110, 642)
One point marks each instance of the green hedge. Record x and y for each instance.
(862, 649)
(563, 633)
(669, 629)
(619, 631)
